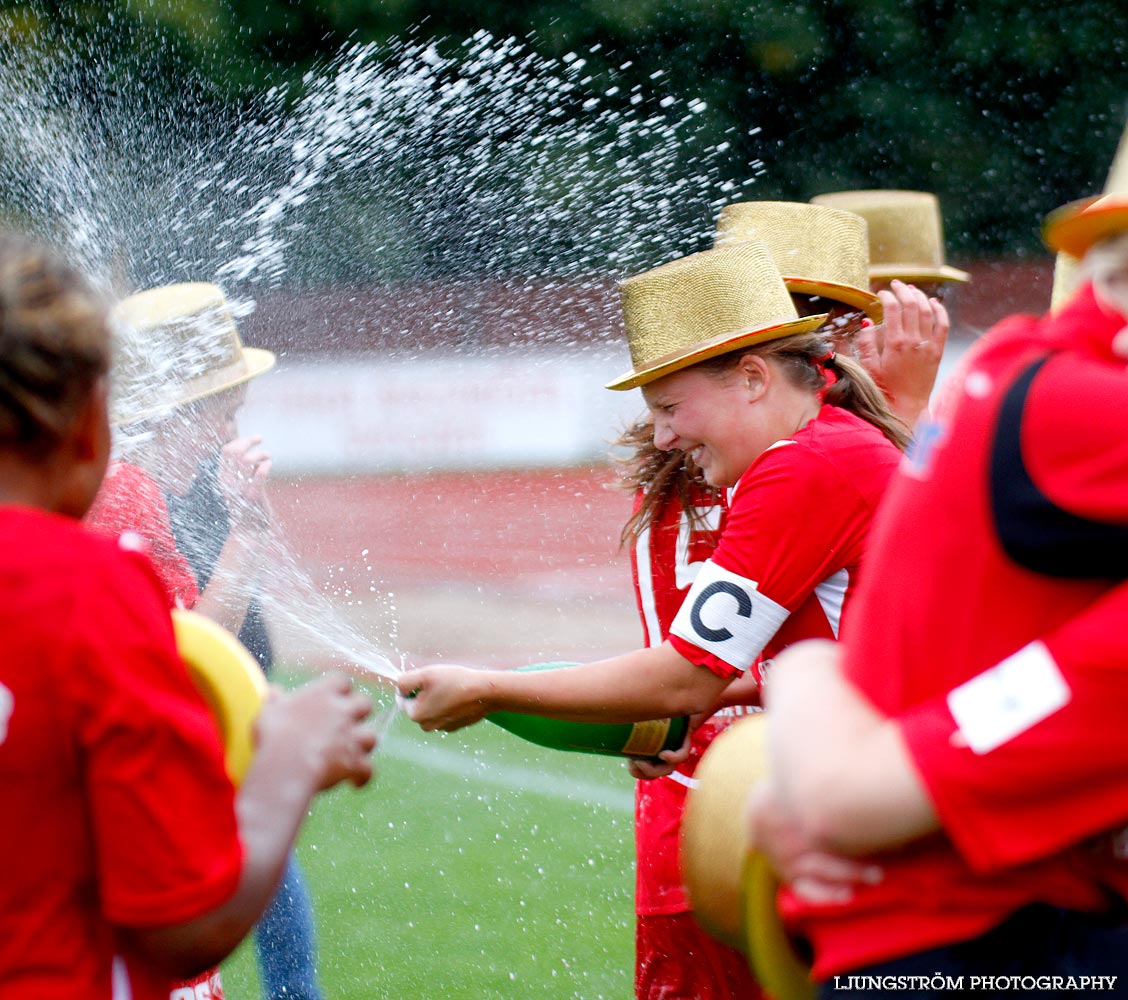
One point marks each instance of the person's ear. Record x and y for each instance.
(91, 436)
(87, 452)
(756, 375)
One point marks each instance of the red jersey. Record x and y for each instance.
(130, 504)
(1005, 661)
(787, 563)
(664, 562)
(111, 769)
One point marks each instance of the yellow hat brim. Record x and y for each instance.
(677, 360)
(1080, 224)
(777, 966)
(732, 888)
(230, 680)
(859, 298)
(258, 360)
(917, 272)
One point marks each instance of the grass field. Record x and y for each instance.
(475, 866)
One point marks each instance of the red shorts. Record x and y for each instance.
(676, 959)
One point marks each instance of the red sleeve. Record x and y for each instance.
(782, 538)
(163, 813)
(1054, 784)
(130, 503)
(1058, 780)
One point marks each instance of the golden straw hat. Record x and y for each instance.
(906, 234)
(818, 250)
(190, 329)
(732, 888)
(704, 305)
(1075, 227)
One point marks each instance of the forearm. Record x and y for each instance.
(842, 769)
(907, 407)
(745, 690)
(232, 584)
(643, 684)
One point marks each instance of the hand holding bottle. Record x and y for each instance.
(444, 696)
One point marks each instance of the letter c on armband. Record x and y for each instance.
(743, 608)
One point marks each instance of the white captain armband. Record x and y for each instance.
(1008, 699)
(726, 615)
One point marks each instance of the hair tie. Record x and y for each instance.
(830, 377)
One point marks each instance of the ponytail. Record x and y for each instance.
(855, 390)
(807, 360)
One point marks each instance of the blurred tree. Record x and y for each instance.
(1004, 108)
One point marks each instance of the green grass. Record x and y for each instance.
(474, 866)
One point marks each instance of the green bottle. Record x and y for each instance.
(627, 739)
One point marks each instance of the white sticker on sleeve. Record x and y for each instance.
(1008, 699)
(7, 704)
(726, 615)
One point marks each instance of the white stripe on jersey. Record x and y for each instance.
(832, 595)
(737, 711)
(120, 988)
(709, 519)
(646, 589)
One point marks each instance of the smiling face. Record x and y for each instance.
(713, 417)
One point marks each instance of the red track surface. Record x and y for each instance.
(524, 529)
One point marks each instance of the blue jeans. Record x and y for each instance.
(284, 941)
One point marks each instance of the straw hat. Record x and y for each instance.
(1075, 227)
(704, 305)
(731, 887)
(906, 235)
(181, 346)
(818, 250)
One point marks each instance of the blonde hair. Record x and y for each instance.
(54, 345)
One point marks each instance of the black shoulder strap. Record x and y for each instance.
(1035, 532)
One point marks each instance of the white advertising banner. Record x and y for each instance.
(367, 414)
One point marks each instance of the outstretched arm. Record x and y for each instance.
(651, 683)
(244, 467)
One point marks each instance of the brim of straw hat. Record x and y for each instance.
(255, 361)
(1077, 226)
(732, 888)
(917, 272)
(714, 842)
(722, 344)
(859, 298)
